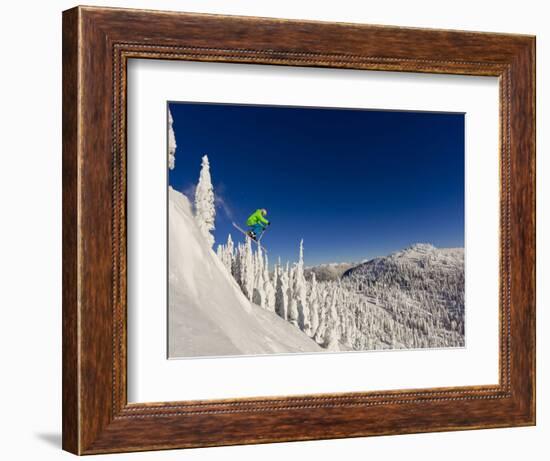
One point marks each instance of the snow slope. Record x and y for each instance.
(208, 313)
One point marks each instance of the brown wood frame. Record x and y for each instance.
(97, 43)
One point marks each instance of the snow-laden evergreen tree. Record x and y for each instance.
(259, 295)
(313, 302)
(226, 253)
(293, 314)
(269, 287)
(299, 291)
(275, 281)
(171, 142)
(244, 268)
(281, 293)
(248, 259)
(205, 208)
(319, 335)
(332, 334)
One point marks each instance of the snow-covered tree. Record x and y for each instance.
(275, 281)
(293, 314)
(226, 254)
(300, 293)
(171, 142)
(332, 334)
(247, 269)
(313, 301)
(269, 287)
(205, 208)
(259, 295)
(281, 293)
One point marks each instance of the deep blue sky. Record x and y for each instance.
(353, 184)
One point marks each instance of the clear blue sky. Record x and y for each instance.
(353, 184)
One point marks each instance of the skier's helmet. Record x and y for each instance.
(264, 211)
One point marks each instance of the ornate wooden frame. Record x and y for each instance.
(97, 43)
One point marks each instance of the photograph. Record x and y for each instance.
(313, 229)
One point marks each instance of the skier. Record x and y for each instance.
(257, 223)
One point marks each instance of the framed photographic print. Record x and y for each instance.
(283, 230)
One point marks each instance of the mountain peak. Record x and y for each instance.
(415, 251)
(421, 247)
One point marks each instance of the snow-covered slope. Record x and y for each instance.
(208, 313)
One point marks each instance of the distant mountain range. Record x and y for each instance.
(421, 268)
(326, 272)
(422, 256)
(412, 298)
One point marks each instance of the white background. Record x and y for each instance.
(153, 378)
(30, 242)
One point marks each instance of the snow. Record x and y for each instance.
(171, 142)
(205, 208)
(208, 313)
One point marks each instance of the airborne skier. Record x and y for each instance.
(257, 223)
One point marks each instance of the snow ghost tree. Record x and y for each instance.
(171, 142)
(269, 287)
(259, 295)
(205, 208)
(300, 293)
(313, 305)
(293, 314)
(332, 335)
(281, 292)
(226, 254)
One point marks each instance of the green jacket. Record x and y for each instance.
(256, 218)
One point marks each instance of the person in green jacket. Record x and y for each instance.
(257, 223)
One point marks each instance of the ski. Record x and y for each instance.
(246, 234)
